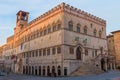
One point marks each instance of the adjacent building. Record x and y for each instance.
(57, 43)
(114, 45)
(1, 59)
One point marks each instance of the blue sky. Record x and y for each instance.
(106, 9)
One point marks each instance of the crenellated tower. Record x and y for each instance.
(22, 20)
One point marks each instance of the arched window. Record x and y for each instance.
(45, 31)
(53, 50)
(59, 71)
(100, 34)
(70, 25)
(59, 50)
(58, 24)
(48, 28)
(94, 32)
(44, 71)
(44, 52)
(85, 29)
(54, 27)
(48, 51)
(78, 28)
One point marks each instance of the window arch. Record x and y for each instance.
(54, 26)
(78, 28)
(85, 29)
(100, 33)
(58, 24)
(48, 28)
(70, 25)
(94, 32)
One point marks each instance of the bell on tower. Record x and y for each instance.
(22, 18)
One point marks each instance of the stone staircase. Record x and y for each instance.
(86, 69)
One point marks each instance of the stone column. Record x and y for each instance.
(111, 66)
(114, 65)
(106, 67)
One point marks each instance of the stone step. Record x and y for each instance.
(86, 69)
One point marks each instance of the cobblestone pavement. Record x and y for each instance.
(111, 75)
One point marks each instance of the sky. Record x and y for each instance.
(108, 10)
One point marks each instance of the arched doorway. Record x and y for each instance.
(65, 71)
(29, 70)
(23, 69)
(26, 69)
(32, 70)
(43, 70)
(103, 64)
(78, 53)
(53, 71)
(35, 70)
(59, 70)
(48, 71)
(40, 70)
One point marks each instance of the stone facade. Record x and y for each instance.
(57, 42)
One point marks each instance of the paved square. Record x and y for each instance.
(111, 75)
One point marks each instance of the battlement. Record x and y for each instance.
(68, 8)
(79, 11)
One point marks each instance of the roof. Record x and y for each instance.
(115, 31)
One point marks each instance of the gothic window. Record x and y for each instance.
(94, 32)
(70, 25)
(58, 49)
(49, 30)
(91, 25)
(28, 37)
(86, 52)
(44, 52)
(59, 26)
(45, 32)
(34, 35)
(36, 53)
(100, 34)
(85, 29)
(48, 51)
(32, 53)
(53, 50)
(37, 33)
(71, 50)
(54, 27)
(40, 54)
(78, 28)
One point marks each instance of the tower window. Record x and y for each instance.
(58, 50)
(78, 28)
(70, 25)
(53, 50)
(94, 32)
(85, 29)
